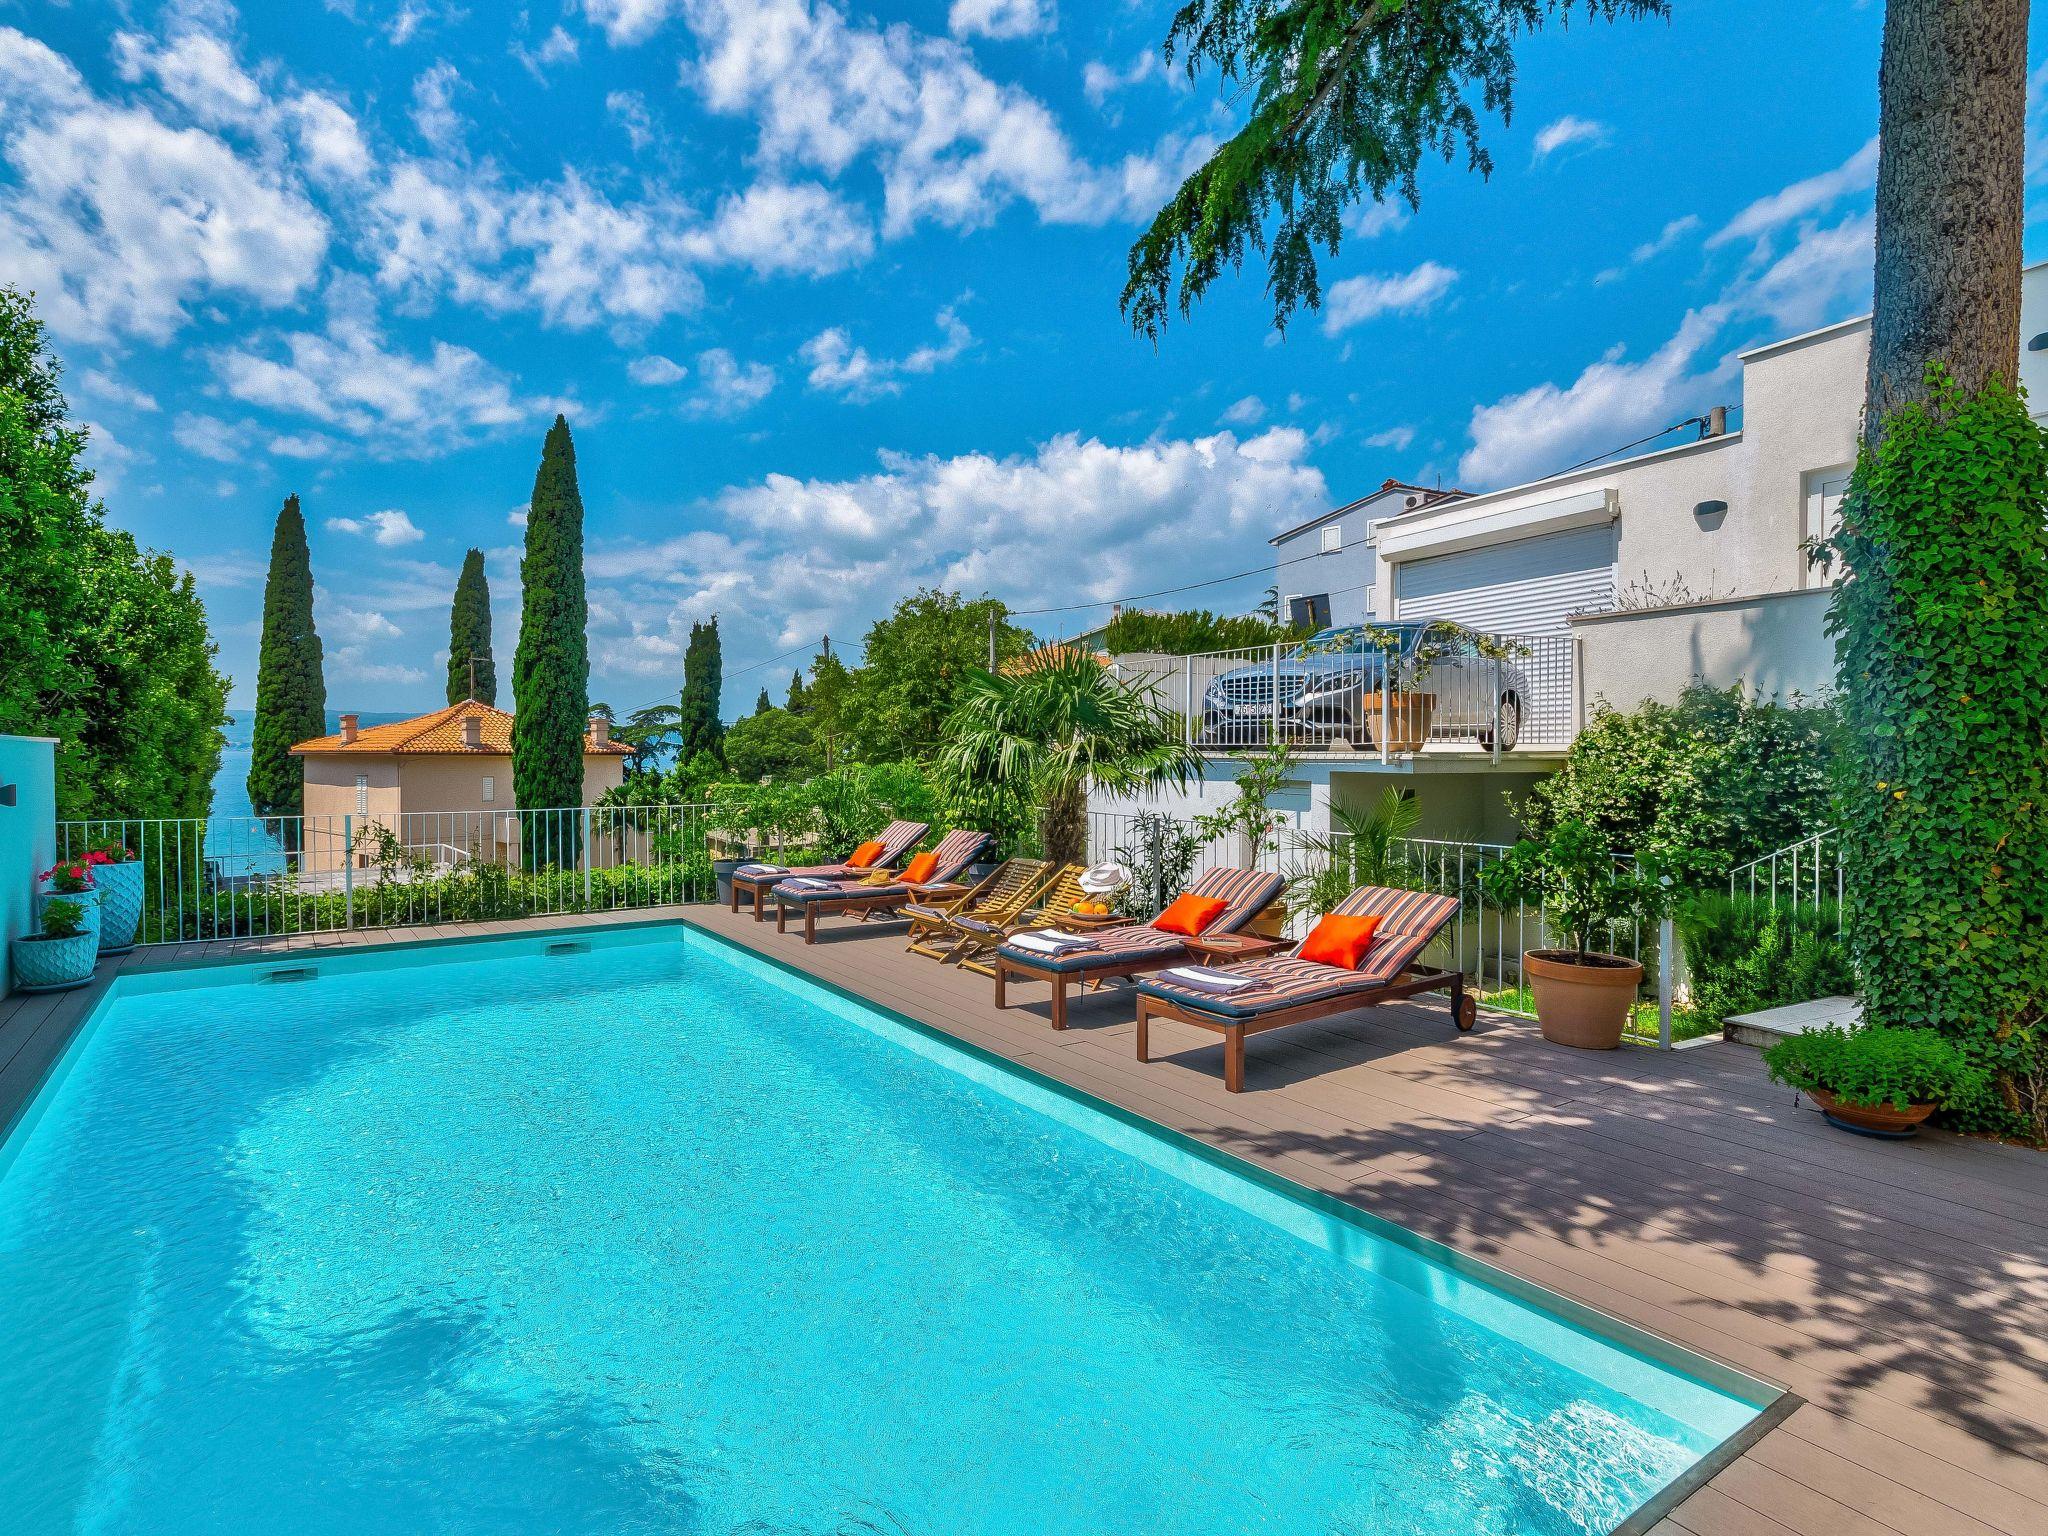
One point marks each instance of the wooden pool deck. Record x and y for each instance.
(1900, 1289)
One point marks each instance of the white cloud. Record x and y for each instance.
(629, 110)
(390, 528)
(726, 386)
(352, 664)
(210, 437)
(1100, 81)
(786, 227)
(1354, 300)
(1674, 231)
(1824, 276)
(433, 106)
(1540, 431)
(558, 47)
(117, 391)
(1368, 221)
(119, 220)
(352, 625)
(841, 368)
(329, 137)
(626, 22)
(793, 558)
(348, 379)
(1565, 132)
(517, 516)
(1396, 438)
(196, 70)
(1001, 18)
(1788, 204)
(1248, 412)
(228, 568)
(654, 369)
(952, 146)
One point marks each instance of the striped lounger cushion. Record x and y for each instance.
(956, 851)
(1411, 920)
(1248, 891)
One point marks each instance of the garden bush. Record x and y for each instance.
(1878, 1065)
(1185, 634)
(1741, 955)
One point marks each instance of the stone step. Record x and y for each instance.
(1766, 1026)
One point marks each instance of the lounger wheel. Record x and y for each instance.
(1467, 1012)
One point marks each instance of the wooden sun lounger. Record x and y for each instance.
(1293, 990)
(955, 851)
(1137, 949)
(975, 934)
(1000, 897)
(897, 839)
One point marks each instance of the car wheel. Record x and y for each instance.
(1510, 725)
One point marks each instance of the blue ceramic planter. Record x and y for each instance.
(54, 965)
(120, 888)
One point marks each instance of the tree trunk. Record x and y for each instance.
(1063, 824)
(1951, 198)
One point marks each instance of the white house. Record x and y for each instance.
(1629, 579)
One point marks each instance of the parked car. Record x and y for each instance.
(1319, 690)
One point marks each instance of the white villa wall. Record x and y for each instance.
(28, 833)
(1776, 644)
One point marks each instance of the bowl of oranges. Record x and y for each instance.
(1091, 909)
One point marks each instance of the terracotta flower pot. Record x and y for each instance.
(1585, 1006)
(1896, 1121)
(1405, 716)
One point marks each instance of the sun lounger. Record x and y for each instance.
(865, 899)
(1000, 897)
(975, 934)
(1278, 990)
(1134, 949)
(755, 881)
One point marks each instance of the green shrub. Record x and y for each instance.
(1583, 890)
(63, 919)
(1185, 634)
(1719, 774)
(1877, 1065)
(1944, 794)
(1741, 955)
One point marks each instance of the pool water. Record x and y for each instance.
(656, 1238)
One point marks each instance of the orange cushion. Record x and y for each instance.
(1340, 941)
(1190, 914)
(864, 855)
(919, 869)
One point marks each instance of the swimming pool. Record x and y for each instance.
(654, 1236)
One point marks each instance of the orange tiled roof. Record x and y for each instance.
(441, 731)
(1039, 656)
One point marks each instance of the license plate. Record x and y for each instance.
(1254, 711)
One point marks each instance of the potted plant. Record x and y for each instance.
(62, 955)
(1875, 1080)
(71, 880)
(1398, 707)
(1583, 995)
(117, 874)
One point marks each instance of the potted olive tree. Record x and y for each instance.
(1583, 995)
(1876, 1081)
(62, 954)
(1395, 703)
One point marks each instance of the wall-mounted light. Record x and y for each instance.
(9, 795)
(2038, 342)
(1709, 513)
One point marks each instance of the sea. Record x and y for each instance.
(236, 842)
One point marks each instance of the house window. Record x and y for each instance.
(1822, 491)
(1332, 538)
(490, 789)
(362, 793)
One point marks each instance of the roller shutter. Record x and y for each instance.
(1527, 587)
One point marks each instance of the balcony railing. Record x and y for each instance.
(230, 877)
(1363, 701)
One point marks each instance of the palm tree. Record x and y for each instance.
(1364, 850)
(1054, 724)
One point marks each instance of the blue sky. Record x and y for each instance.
(828, 293)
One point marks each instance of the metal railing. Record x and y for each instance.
(269, 876)
(1334, 699)
(1805, 877)
(1486, 941)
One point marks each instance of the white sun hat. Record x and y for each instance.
(1104, 879)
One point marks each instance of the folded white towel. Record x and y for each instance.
(812, 883)
(1209, 979)
(762, 869)
(1051, 943)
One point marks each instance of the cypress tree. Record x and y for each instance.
(799, 698)
(469, 636)
(551, 667)
(763, 704)
(291, 693)
(703, 683)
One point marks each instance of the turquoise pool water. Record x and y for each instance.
(655, 1238)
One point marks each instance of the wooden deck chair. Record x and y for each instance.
(755, 881)
(1278, 990)
(1137, 948)
(1000, 897)
(974, 934)
(817, 897)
